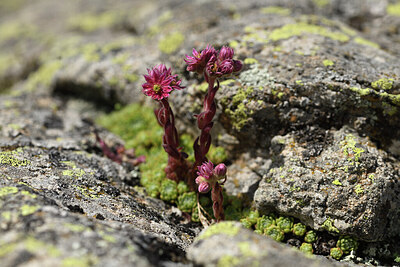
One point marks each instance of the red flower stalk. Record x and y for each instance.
(212, 178)
(213, 64)
(159, 84)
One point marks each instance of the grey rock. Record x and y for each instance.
(348, 187)
(229, 244)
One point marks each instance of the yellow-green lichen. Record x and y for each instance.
(383, 84)
(249, 61)
(7, 190)
(360, 40)
(28, 194)
(6, 249)
(77, 228)
(8, 158)
(87, 192)
(225, 228)
(228, 261)
(76, 172)
(299, 82)
(89, 22)
(26, 210)
(171, 43)
(84, 261)
(328, 62)
(43, 76)
(34, 245)
(321, 3)
(337, 182)
(393, 9)
(301, 28)
(358, 189)
(276, 10)
(107, 237)
(16, 30)
(349, 148)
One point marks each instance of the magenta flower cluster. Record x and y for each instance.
(160, 82)
(208, 176)
(212, 62)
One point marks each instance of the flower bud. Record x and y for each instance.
(204, 187)
(220, 170)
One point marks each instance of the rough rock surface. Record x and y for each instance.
(229, 244)
(311, 124)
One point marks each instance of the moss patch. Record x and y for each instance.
(171, 43)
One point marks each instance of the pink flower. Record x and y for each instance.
(198, 61)
(223, 64)
(160, 82)
(220, 170)
(206, 170)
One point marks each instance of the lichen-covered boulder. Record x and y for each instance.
(346, 186)
(229, 244)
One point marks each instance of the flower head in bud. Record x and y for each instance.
(160, 82)
(220, 171)
(198, 61)
(206, 170)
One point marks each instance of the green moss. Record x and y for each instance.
(89, 22)
(168, 191)
(43, 76)
(187, 201)
(299, 229)
(310, 237)
(171, 43)
(347, 244)
(321, 3)
(285, 224)
(7, 190)
(264, 222)
(336, 253)
(239, 112)
(302, 28)
(328, 225)
(360, 40)
(306, 248)
(275, 233)
(217, 154)
(383, 84)
(276, 10)
(28, 209)
(328, 62)
(225, 228)
(393, 9)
